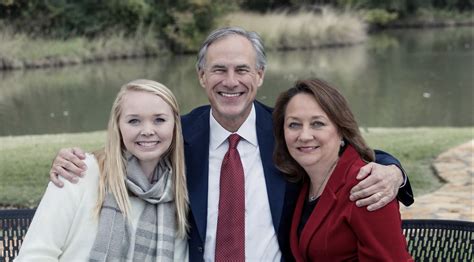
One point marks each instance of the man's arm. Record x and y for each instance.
(69, 163)
(383, 185)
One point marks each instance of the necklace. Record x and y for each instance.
(316, 194)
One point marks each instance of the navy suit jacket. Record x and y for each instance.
(282, 195)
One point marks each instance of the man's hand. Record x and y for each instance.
(68, 164)
(378, 189)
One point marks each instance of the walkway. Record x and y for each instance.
(455, 199)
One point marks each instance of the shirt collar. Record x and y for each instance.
(246, 131)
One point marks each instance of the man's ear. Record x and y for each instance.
(261, 76)
(201, 77)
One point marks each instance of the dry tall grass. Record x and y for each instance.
(17, 50)
(304, 29)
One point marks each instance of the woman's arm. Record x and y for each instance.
(48, 233)
(379, 233)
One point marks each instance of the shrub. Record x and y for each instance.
(378, 17)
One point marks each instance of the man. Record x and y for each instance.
(231, 68)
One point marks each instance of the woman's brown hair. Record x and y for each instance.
(334, 105)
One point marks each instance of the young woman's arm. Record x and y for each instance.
(59, 218)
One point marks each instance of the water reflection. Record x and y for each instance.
(399, 78)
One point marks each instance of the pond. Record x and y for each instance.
(401, 78)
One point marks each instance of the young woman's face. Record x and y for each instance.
(311, 137)
(146, 125)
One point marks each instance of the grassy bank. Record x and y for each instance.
(25, 160)
(18, 50)
(301, 30)
(416, 148)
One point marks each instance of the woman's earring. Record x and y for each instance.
(343, 143)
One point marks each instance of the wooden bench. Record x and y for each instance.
(427, 240)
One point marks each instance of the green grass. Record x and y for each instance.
(25, 160)
(416, 148)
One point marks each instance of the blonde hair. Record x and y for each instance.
(112, 161)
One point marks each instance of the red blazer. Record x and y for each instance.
(338, 230)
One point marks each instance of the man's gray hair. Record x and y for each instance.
(253, 37)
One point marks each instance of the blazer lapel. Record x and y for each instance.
(325, 204)
(328, 199)
(196, 145)
(275, 182)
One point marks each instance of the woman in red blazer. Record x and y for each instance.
(318, 142)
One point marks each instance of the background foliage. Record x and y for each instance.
(182, 24)
(401, 6)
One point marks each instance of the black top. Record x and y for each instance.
(306, 213)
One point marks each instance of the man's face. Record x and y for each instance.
(231, 80)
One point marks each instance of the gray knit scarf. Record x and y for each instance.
(155, 234)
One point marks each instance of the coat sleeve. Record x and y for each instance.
(48, 232)
(405, 193)
(379, 233)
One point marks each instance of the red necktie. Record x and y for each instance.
(230, 236)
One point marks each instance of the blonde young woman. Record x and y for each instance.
(132, 203)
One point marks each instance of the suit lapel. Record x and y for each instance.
(275, 182)
(197, 164)
(294, 240)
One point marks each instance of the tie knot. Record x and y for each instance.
(233, 141)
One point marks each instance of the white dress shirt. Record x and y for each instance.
(261, 243)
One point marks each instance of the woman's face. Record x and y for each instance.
(311, 137)
(146, 125)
